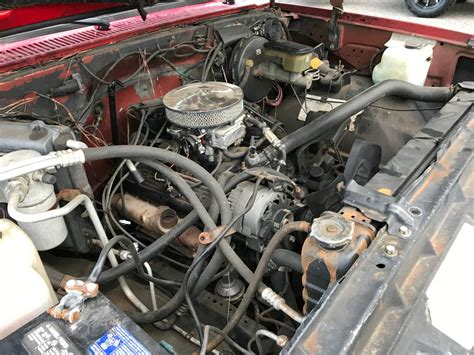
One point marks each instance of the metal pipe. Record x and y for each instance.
(94, 217)
(54, 159)
(280, 340)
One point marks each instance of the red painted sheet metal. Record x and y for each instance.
(42, 49)
(28, 15)
(439, 34)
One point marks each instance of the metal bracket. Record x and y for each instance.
(400, 216)
(111, 90)
(209, 236)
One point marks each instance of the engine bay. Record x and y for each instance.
(198, 176)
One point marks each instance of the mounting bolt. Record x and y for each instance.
(390, 250)
(404, 231)
(282, 340)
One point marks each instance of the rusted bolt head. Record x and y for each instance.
(404, 231)
(73, 315)
(205, 238)
(282, 340)
(390, 250)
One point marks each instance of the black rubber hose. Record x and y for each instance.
(178, 182)
(212, 267)
(160, 244)
(150, 251)
(218, 258)
(289, 259)
(238, 153)
(97, 270)
(345, 111)
(142, 152)
(258, 276)
(208, 65)
(55, 277)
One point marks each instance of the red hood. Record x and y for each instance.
(20, 13)
(34, 14)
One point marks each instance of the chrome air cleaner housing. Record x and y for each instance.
(204, 105)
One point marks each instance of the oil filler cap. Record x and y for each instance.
(332, 230)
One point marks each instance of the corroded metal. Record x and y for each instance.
(156, 220)
(335, 242)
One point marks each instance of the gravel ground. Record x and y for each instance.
(458, 18)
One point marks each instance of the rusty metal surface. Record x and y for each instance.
(190, 238)
(362, 233)
(380, 307)
(362, 39)
(70, 306)
(86, 111)
(156, 220)
(67, 194)
(209, 236)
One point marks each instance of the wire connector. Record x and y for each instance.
(71, 305)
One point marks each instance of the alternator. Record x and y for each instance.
(268, 213)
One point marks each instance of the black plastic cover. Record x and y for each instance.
(288, 47)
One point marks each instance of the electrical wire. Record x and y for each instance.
(103, 81)
(207, 251)
(97, 270)
(208, 65)
(108, 192)
(227, 339)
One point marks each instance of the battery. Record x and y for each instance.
(100, 329)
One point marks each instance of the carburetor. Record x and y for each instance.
(206, 116)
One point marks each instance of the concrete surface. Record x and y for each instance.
(459, 18)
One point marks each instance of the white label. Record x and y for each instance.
(451, 293)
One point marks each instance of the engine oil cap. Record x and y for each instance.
(332, 230)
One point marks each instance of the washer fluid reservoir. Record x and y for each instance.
(25, 288)
(406, 59)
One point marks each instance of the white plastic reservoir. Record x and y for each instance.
(25, 288)
(406, 58)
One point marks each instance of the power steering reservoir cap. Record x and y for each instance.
(332, 230)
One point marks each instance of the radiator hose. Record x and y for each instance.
(341, 114)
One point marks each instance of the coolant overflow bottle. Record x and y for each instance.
(26, 290)
(405, 58)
